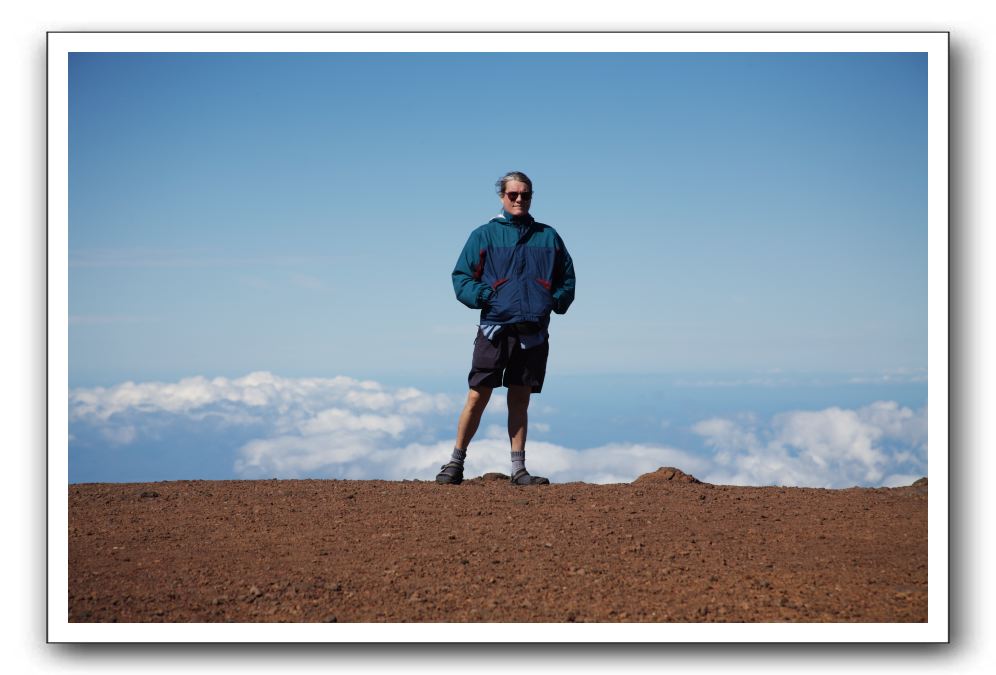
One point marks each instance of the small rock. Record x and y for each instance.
(152, 495)
(331, 619)
(665, 474)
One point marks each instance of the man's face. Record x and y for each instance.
(523, 198)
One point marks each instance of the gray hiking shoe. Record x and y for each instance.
(452, 474)
(522, 477)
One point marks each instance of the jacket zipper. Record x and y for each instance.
(520, 264)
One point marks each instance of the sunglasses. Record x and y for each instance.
(514, 196)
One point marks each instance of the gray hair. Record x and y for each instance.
(512, 175)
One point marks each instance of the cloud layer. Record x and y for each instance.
(879, 444)
(346, 428)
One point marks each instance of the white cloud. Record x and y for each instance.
(611, 463)
(374, 400)
(259, 390)
(294, 456)
(497, 405)
(896, 422)
(499, 431)
(411, 401)
(833, 436)
(827, 448)
(347, 428)
(900, 479)
(119, 435)
(337, 419)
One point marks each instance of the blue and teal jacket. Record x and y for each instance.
(514, 269)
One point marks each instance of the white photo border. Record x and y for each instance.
(934, 44)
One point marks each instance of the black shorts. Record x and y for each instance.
(505, 362)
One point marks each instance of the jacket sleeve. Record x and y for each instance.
(563, 279)
(467, 284)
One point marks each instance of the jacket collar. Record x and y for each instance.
(506, 217)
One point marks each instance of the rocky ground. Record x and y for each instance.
(663, 548)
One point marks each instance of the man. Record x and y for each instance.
(516, 271)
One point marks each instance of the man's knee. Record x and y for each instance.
(478, 397)
(518, 397)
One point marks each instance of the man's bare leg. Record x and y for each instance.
(470, 418)
(518, 424)
(518, 415)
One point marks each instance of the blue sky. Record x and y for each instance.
(749, 233)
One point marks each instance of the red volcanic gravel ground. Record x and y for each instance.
(663, 548)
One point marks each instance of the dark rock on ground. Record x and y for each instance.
(667, 473)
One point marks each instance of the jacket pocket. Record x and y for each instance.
(500, 305)
(544, 297)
